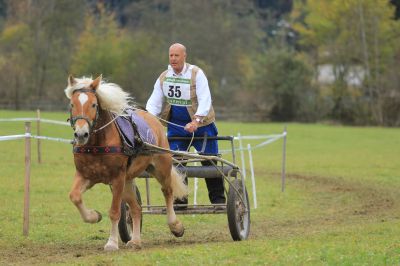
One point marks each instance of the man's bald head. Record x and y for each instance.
(178, 46)
(177, 57)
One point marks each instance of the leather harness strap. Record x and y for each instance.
(101, 150)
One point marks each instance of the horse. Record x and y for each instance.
(101, 160)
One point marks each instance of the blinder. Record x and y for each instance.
(72, 119)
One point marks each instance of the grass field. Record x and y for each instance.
(341, 205)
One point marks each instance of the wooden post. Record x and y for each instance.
(39, 148)
(27, 178)
(284, 160)
(196, 187)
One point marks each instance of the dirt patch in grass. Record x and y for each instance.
(373, 200)
(359, 203)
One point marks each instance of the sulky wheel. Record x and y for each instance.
(238, 211)
(125, 222)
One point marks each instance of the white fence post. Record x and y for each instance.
(253, 180)
(242, 155)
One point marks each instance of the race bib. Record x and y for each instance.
(177, 91)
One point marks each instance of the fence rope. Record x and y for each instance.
(34, 119)
(28, 135)
(15, 137)
(12, 137)
(270, 139)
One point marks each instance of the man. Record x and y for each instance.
(181, 95)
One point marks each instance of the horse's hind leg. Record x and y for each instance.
(135, 209)
(117, 185)
(162, 171)
(80, 185)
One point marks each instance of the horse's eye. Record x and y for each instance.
(94, 105)
(72, 105)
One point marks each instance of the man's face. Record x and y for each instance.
(177, 57)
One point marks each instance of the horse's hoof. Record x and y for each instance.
(177, 228)
(111, 246)
(134, 244)
(99, 216)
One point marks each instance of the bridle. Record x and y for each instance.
(91, 123)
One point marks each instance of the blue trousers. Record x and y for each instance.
(215, 186)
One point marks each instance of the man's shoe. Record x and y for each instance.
(219, 200)
(220, 207)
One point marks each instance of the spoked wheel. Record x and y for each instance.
(238, 211)
(125, 222)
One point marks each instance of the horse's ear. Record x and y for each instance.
(71, 81)
(95, 84)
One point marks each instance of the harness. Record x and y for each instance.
(137, 147)
(127, 149)
(98, 149)
(72, 119)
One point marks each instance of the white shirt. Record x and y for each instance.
(155, 102)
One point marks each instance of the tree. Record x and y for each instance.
(35, 47)
(284, 82)
(346, 34)
(105, 48)
(15, 56)
(141, 54)
(54, 28)
(218, 35)
(99, 46)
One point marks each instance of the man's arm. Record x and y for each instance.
(204, 102)
(154, 103)
(203, 95)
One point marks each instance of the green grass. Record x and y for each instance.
(341, 205)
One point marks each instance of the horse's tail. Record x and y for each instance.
(179, 188)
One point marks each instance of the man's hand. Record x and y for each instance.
(192, 126)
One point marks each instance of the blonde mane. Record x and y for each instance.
(110, 95)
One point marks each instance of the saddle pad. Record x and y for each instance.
(125, 125)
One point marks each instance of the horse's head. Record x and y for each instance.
(84, 107)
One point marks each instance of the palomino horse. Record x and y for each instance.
(101, 159)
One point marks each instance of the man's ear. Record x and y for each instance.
(95, 84)
(71, 81)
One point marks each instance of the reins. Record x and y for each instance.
(106, 125)
(92, 124)
(168, 122)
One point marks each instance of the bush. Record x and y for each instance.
(284, 81)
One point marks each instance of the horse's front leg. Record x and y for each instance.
(80, 185)
(115, 212)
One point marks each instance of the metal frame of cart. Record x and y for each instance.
(237, 205)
